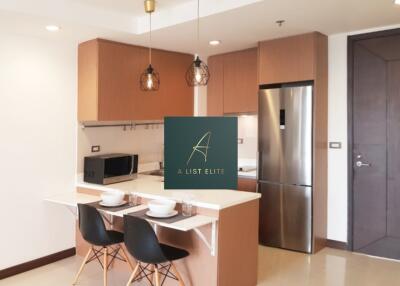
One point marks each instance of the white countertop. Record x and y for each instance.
(72, 199)
(248, 175)
(152, 187)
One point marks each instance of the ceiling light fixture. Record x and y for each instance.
(198, 73)
(397, 2)
(52, 28)
(149, 79)
(214, 42)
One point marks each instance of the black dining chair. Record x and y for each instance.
(107, 242)
(142, 243)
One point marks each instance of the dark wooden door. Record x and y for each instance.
(376, 146)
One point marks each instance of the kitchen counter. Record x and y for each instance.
(152, 187)
(222, 238)
(248, 175)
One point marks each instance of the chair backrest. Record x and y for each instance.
(141, 241)
(92, 226)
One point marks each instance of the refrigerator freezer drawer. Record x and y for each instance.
(286, 216)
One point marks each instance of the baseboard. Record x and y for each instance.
(20, 268)
(336, 244)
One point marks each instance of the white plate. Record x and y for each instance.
(151, 214)
(112, 205)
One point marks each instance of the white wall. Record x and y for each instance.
(337, 131)
(38, 143)
(247, 130)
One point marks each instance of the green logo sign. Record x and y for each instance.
(200, 152)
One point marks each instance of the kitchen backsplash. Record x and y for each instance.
(247, 130)
(147, 142)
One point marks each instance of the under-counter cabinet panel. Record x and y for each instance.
(233, 83)
(109, 83)
(247, 185)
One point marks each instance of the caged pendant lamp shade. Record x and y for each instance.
(149, 79)
(198, 73)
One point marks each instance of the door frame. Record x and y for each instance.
(351, 41)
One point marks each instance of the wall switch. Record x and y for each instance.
(335, 145)
(95, 148)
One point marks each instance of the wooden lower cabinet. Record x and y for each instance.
(247, 185)
(235, 261)
(109, 83)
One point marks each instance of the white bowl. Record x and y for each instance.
(161, 207)
(112, 198)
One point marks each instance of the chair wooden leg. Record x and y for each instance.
(133, 275)
(126, 257)
(105, 263)
(176, 273)
(157, 275)
(82, 266)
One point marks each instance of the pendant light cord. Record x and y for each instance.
(150, 41)
(198, 25)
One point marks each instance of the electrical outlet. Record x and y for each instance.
(95, 148)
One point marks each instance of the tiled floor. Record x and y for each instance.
(329, 267)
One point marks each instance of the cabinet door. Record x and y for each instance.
(119, 92)
(247, 185)
(287, 60)
(240, 81)
(109, 83)
(174, 96)
(215, 87)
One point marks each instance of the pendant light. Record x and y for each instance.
(149, 79)
(198, 73)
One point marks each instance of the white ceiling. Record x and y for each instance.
(238, 24)
(133, 7)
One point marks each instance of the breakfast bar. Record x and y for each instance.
(221, 236)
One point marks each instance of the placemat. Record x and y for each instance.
(142, 214)
(112, 209)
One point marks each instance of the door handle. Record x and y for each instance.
(360, 164)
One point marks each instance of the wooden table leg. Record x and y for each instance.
(157, 275)
(133, 275)
(105, 262)
(82, 266)
(177, 274)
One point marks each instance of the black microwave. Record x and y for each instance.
(110, 168)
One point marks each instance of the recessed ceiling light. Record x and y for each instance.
(52, 28)
(397, 2)
(217, 42)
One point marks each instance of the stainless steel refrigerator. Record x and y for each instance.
(285, 165)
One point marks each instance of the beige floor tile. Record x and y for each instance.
(329, 267)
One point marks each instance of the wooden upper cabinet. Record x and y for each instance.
(109, 83)
(240, 81)
(215, 87)
(288, 59)
(233, 84)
